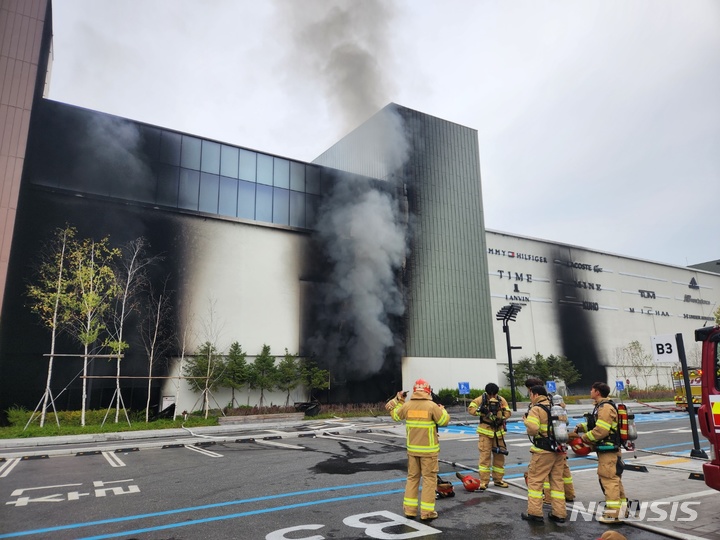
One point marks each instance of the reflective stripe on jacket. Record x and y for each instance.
(422, 417)
(486, 427)
(605, 424)
(536, 422)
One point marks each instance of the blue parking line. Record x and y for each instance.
(241, 514)
(203, 507)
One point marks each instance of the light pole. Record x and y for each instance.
(507, 314)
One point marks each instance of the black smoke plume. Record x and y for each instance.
(577, 335)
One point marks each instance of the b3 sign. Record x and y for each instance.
(665, 349)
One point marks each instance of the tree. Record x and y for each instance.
(48, 295)
(546, 369)
(263, 373)
(183, 338)
(716, 314)
(93, 288)
(236, 369)
(155, 334)
(205, 371)
(313, 377)
(288, 375)
(641, 363)
(131, 276)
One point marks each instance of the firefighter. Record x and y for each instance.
(493, 411)
(422, 417)
(545, 461)
(568, 485)
(601, 433)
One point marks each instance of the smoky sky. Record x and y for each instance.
(342, 46)
(111, 155)
(598, 121)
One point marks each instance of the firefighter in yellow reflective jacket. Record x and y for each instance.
(422, 417)
(544, 461)
(601, 433)
(493, 411)
(567, 475)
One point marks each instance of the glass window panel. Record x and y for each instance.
(281, 206)
(209, 189)
(167, 190)
(189, 189)
(263, 203)
(228, 196)
(264, 169)
(312, 203)
(297, 209)
(170, 148)
(142, 186)
(150, 138)
(248, 165)
(297, 176)
(210, 157)
(229, 161)
(190, 155)
(246, 200)
(312, 180)
(281, 173)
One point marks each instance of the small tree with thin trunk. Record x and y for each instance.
(48, 298)
(156, 334)
(205, 371)
(641, 363)
(183, 338)
(313, 377)
(131, 275)
(236, 370)
(94, 288)
(288, 375)
(263, 373)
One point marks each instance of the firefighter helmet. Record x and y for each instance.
(421, 385)
(579, 447)
(469, 483)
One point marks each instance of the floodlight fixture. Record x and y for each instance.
(506, 314)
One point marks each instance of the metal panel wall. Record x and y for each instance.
(449, 312)
(21, 58)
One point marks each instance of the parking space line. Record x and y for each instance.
(113, 460)
(203, 451)
(8, 466)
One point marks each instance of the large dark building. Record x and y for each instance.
(373, 260)
(368, 260)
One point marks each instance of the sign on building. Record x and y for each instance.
(665, 349)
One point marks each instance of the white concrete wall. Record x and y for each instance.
(448, 372)
(249, 278)
(636, 300)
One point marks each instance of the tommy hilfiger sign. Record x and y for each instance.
(516, 255)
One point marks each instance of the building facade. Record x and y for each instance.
(373, 260)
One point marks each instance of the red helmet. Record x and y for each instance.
(469, 483)
(579, 447)
(421, 385)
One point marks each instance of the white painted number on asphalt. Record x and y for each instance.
(372, 530)
(101, 490)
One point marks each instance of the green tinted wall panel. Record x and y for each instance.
(449, 313)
